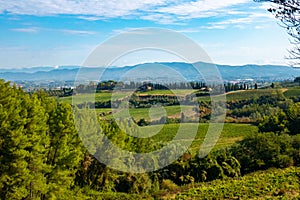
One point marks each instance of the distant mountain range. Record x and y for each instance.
(161, 71)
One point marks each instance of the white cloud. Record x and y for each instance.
(201, 8)
(236, 12)
(163, 11)
(189, 30)
(78, 32)
(214, 26)
(67, 31)
(26, 30)
(260, 19)
(112, 8)
(162, 18)
(90, 18)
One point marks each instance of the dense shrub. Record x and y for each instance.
(266, 150)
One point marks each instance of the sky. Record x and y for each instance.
(64, 32)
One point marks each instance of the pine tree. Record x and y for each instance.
(65, 151)
(22, 142)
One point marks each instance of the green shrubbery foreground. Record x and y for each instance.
(270, 184)
(42, 157)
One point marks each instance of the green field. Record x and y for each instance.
(238, 95)
(151, 113)
(292, 93)
(250, 94)
(81, 98)
(269, 184)
(170, 111)
(245, 94)
(163, 92)
(230, 134)
(93, 97)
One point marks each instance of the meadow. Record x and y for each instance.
(231, 96)
(230, 134)
(154, 113)
(292, 92)
(192, 135)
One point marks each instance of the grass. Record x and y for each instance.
(230, 134)
(166, 92)
(93, 97)
(154, 113)
(106, 96)
(292, 93)
(81, 98)
(269, 184)
(238, 95)
(250, 94)
(245, 94)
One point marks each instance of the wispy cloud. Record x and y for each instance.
(163, 11)
(162, 18)
(113, 8)
(189, 30)
(26, 30)
(67, 31)
(202, 9)
(78, 32)
(213, 26)
(222, 13)
(260, 19)
(90, 18)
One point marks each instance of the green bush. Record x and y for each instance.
(265, 150)
(271, 184)
(168, 184)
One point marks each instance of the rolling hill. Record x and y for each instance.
(164, 71)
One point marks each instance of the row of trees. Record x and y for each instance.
(139, 86)
(64, 92)
(39, 149)
(145, 86)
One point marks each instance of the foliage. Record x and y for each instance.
(42, 157)
(265, 150)
(270, 184)
(273, 123)
(40, 150)
(293, 92)
(294, 119)
(281, 121)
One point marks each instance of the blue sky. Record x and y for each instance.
(65, 32)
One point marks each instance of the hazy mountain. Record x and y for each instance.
(163, 71)
(36, 69)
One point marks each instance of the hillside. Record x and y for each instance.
(157, 71)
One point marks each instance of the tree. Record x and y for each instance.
(294, 119)
(272, 85)
(273, 123)
(39, 148)
(264, 150)
(22, 144)
(142, 122)
(288, 12)
(65, 150)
